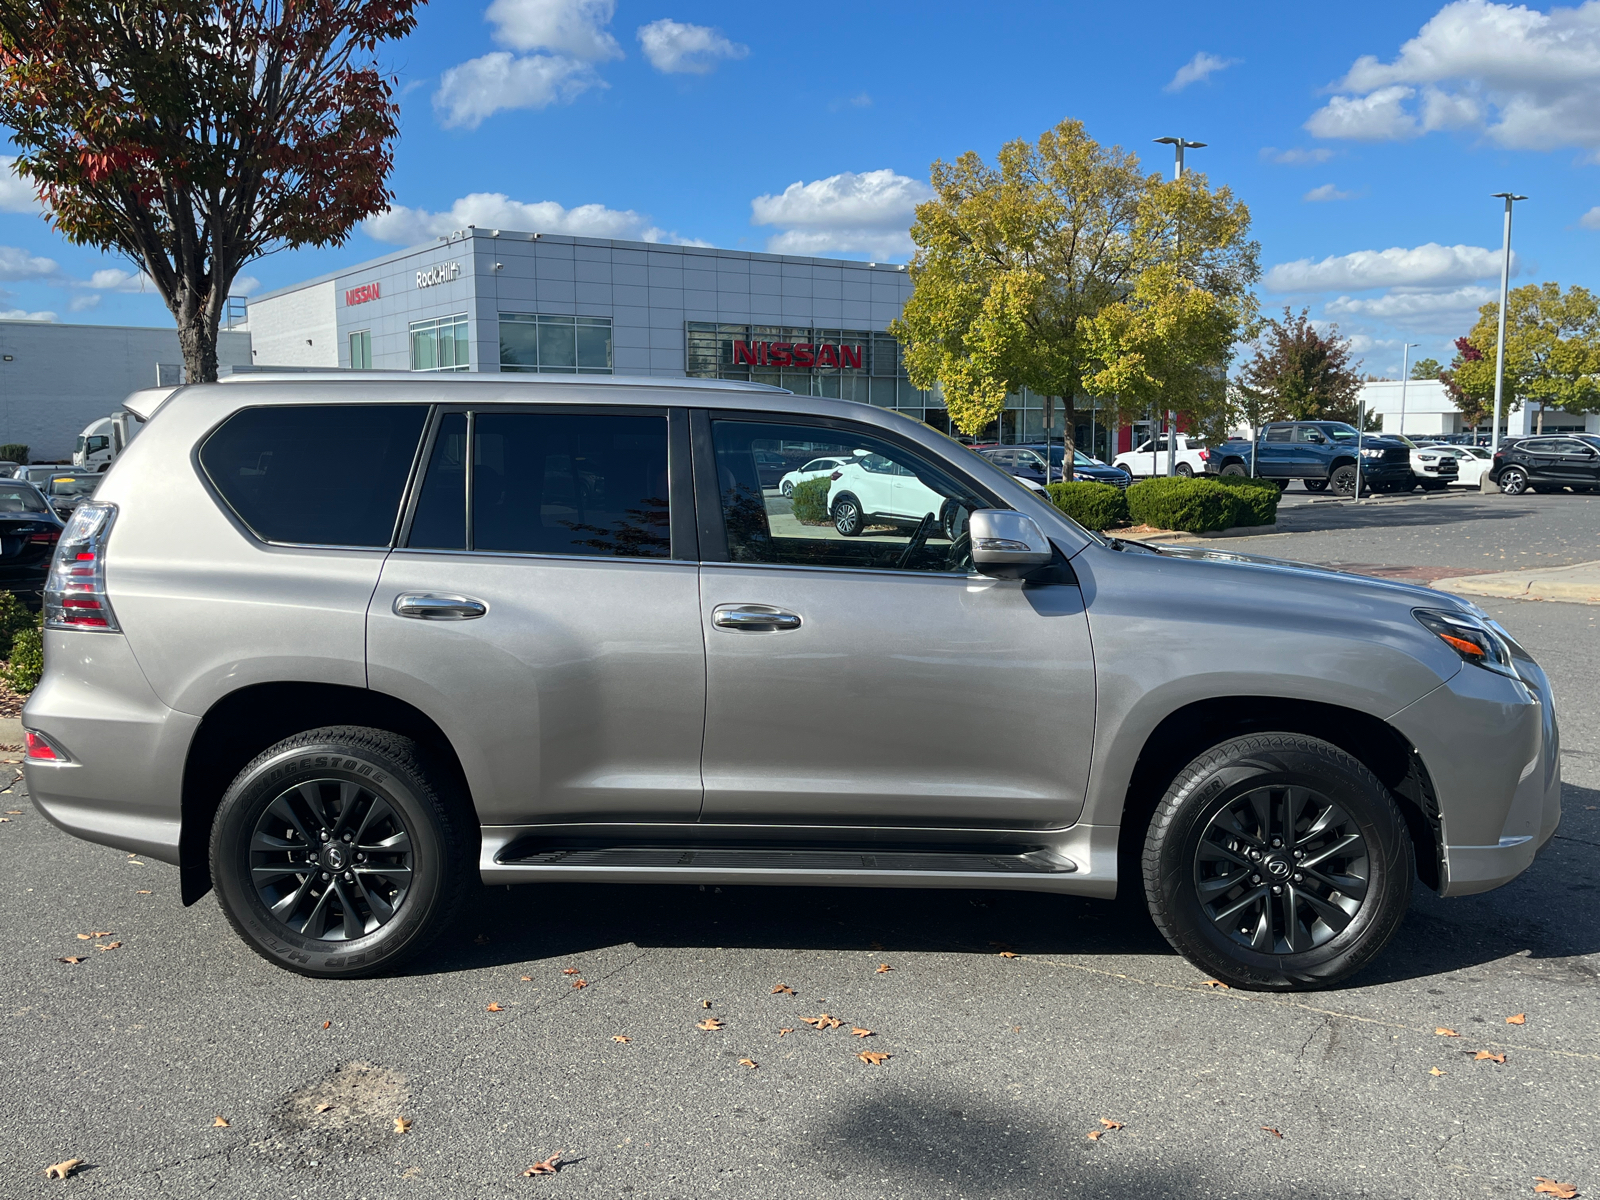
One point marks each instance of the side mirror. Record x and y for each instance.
(1007, 545)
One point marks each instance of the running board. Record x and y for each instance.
(1034, 862)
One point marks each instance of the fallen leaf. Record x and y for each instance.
(873, 1058)
(144, 893)
(749, 1062)
(1095, 1134)
(327, 1024)
(1436, 1071)
(13, 812)
(1216, 983)
(493, 1006)
(1443, 1032)
(1566, 1191)
(527, 979)
(1269, 1129)
(87, 937)
(1110, 1124)
(323, 1107)
(5, 820)
(1481, 1055)
(708, 1023)
(1517, 1019)
(781, 989)
(548, 1166)
(220, 1123)
(883, 967)
(1008, 954)
(823, 1022)
(580, 983)
(705, 1004)
(135, 862)
(781, 1032)
(569, 970)
(107, 945)
(63, 1169)
(401, 1124)
(862, 1033)
(71, 958)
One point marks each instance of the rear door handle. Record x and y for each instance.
(428, 607)
(753, 618)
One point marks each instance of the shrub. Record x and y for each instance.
(13, 452)
(1093, 505)
(14, 618)
(1190, 505)
(810, 501)
(1257, 499)
(22, 672)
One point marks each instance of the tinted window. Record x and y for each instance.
(549, 483)
(1309, 433)
(19, 499)
(1573, 446)
(1278, 433)
(1535, 446)
(329, 474)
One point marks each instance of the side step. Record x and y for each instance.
(666, 858)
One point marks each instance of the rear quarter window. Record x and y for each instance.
(325, 474)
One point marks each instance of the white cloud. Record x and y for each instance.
(1295, 156)
(84, 303)
(1198, 69)
(679, 49)
(16, 193)
(575, 28)
(1425, 311)
(1326, 192)
(478, 88)
(19, 264)
(244, 285)
(21, 314)
(866, 213)
(494, 210)
(1528, 80)
(1431, 265)
(1590, 219)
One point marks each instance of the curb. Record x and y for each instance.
(1555, 584)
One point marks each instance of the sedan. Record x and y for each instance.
(68, 489)
(29, 531)
(1027, 464)
(1547, 463)
(817, 468)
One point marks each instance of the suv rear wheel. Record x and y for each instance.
(1278, 862)
(340, 852)
(1514, 481)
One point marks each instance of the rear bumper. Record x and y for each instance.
(122, 783)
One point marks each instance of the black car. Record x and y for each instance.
(68, 489)
(1568, 460)
(1027, 462)
(29, 531)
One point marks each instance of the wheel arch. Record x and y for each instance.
(1188, 731)
(245, 722)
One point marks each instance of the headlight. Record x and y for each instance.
(1428, 457)
(1365, 453)
(1475, 639)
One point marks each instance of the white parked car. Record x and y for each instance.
(1471, 462)
(873, 490)
(1143, 462)
(817, 468)
(1431, 466)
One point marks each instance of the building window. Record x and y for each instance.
(361, 350)
(440, 344)
(558, 345)
(851, 364)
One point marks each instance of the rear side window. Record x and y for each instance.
(1277, 433)
(326, 474)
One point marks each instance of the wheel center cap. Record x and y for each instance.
(1279, 868)
(333, 857)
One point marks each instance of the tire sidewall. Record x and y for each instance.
(1513, 481)
(1199, 795)
(842, 507)
(269, 777)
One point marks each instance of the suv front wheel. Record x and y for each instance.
(341, 851)
(1278, 862)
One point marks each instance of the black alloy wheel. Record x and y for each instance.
(848, 518)
(1278, 862)
(1315, 485)
(1514, 481)
(1343, 480)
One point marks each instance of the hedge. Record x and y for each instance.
(1093, 505)
(22, 672)
(810, 501)
(14, 618)
(14, 452)
(1202, 505)
(1257, 499)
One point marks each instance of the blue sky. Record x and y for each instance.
(1366, 146)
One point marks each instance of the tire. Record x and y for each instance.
(309, 785)
(1315, 485)
(1283, 484)
(787, 491)
(1343, 480)
(1208, 832)
(1514, 481)
(1185, 471)
(848, 518)
(1435, 485)
(1234, 468)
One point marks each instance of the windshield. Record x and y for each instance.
(14, 499)
(1339, 431)
(73, 485)
(1058, 455)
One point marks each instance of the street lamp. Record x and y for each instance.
(1179, 145)
(1500, 341)
(1405, 374)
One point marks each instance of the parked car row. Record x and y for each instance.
(29, 531)
(1546, 463)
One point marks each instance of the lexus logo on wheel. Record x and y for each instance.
(1278, 869)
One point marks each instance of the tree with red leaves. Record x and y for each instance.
(193, 136)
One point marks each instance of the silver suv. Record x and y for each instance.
(335, 645)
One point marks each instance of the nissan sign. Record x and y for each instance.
(360, 295)
(796, 354)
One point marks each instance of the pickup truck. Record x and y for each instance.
(1142, 463)
(1321, 454)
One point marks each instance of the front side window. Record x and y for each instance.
(317, 474)
(882, 507)
(555, 345)
(440, 344)
(547, 483)
(1309, 433)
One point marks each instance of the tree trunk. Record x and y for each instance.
(197, 336)
(1069, 433)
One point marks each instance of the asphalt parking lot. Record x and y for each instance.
(1015, 1025)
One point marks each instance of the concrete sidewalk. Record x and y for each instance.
(1577, 584)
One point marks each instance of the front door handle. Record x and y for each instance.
(753, 618)
(429, 607)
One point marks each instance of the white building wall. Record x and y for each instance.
(297, 328)
(1416, 407)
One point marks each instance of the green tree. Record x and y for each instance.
(1299, 373)
(1425, 368)
(192, 136)
(1552, 350)
(1015, 261)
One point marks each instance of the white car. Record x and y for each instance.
(1142, 463)
(1471, 462)
(1433, 467)
(817, 468)
(872, 490)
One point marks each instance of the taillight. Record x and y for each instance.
(75, 593)
(45, 537)
(835, 476)
(41, 750)
(1205, 456)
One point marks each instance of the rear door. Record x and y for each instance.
(543, 610)
(1574, 463)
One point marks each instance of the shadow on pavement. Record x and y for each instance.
(1313, 518)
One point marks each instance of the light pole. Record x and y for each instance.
(1500, 340)
(1179, 145)
(1405, 375)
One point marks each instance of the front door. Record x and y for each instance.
(874, 679)
(542, 612)
(1574, 463)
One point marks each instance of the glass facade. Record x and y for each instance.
(559, 345)
(851, 364)
(440, 344)
(361, 350)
